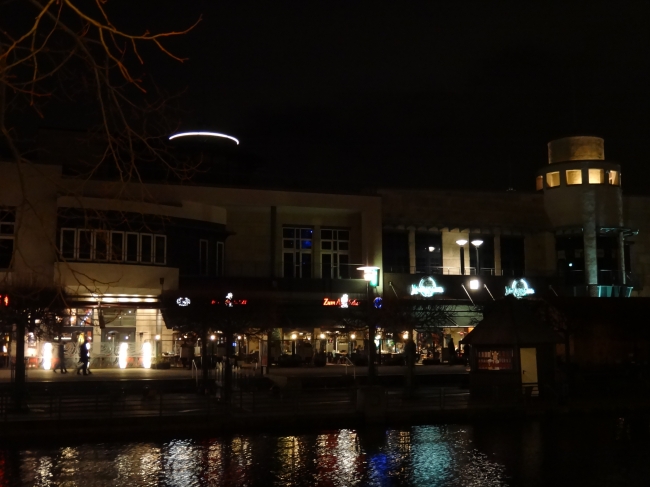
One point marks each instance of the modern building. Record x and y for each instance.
(115, 247)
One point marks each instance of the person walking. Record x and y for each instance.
(83, 358)
(61, 364)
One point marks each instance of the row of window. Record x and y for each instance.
(573, 177)
(113, 246)
(297, 245)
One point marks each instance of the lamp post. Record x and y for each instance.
(371, 276)
(477, 243)
(462, 242)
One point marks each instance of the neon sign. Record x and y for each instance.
(343, 302)
(519, 288)
(204, 134)
(183, 302)
(230, 301)
(427, 287)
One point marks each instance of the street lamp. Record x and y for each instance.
(477, 243)
(462, 242)
(371, 276)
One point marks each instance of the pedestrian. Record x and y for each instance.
(61, 364)
(83, 358)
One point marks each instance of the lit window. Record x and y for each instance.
(614, 178)
(296, 256)
(539, 183)
(596, 176)
(573, 177)
(553, 179)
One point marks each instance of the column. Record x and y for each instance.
(411, 250)
(497, 255)
(620, 259)
(589, 240)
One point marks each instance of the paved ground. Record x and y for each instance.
(39, 375)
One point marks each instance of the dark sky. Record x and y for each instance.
(441, 94)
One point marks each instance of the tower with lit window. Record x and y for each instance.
(583, 200)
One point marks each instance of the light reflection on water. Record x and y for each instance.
(529, 453)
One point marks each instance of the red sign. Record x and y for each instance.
(338, 302)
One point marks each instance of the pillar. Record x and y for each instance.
(497, 255)
(620, 259)
(411, 251)
(589, 241)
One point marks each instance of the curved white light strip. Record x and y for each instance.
(203, 134)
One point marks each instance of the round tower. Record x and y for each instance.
(583, 200)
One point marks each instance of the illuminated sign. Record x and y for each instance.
(427, 287)
(203, 134)
(378, 302)
(183, 301)
(519, 288)
(343, 302)
(230, 301)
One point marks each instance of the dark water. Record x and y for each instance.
(577, 452)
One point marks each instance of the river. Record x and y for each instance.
(569, 451)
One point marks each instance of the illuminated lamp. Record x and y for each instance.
(474, 284)
(461, 242)
(370, 275)
(157, 337)
(124, 347)
(47, 355)
(212, 337)
(431, 249)
(203, 134)
(294, 336)
(322, 336)
(353, 336)
(405, 336)
(146, 356)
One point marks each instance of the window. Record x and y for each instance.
(296, 254)
(573, 177)
(101, 245)
(203, 257)
(596, 176)
(335, 245)
(160, 249)
(117, 246)
(494, 359)
(539, 183)
(146, 248)
(68, 243)
(614, 178)
(7, 236)
(220, 262)
(113, 246)
(553, 179)
(132, 244)
(85, 244)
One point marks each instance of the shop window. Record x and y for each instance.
(614, 178)
(539, 183)
(494, 359)
(335, 245)
(553, 179)
(573, 177)
(596, 176)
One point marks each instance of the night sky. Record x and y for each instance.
(430, 94)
